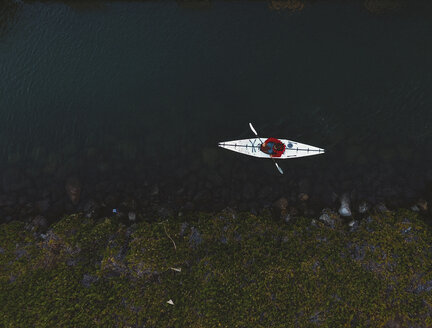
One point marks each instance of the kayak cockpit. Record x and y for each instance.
(273, 147)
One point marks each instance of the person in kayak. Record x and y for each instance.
(273, 147)
(267, 147)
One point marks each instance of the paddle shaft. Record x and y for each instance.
(254, 131)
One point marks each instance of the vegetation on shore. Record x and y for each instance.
(237, 270)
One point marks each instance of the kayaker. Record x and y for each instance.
(267, 147)
(273, 147)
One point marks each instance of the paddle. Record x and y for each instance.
(254, 131)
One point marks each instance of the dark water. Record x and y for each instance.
(130, 96)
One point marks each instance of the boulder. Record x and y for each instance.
(132, 216)
(422, 204)
(344, 208)
(73, 190)
(303, 197)
(363, 207)
(327, 220)
(353, 225)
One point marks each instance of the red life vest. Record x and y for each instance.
(273, 152)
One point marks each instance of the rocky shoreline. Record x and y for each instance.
(201, 187)
(219, 269)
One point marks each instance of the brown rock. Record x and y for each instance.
(303, 197)
(73, 189)
(422, 204)
(280, 208)
(281, 204)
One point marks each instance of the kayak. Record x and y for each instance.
(252, 147)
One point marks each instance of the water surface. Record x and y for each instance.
(127, 96)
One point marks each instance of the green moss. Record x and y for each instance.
(248, 271)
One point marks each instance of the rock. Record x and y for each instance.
(353, 225)
(195, 238)
(363, 207)
(422, 204)
(90, 208)
(281, 204)
(154, 190)
(415, 208)
(344, 209)
(380, 207)
(327, 220)
(303, 197)
(88, 280)
(132, 216)
(287, 218)
(367, 222)
(73, 190)
(280, 208)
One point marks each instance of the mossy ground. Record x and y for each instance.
(247, 271)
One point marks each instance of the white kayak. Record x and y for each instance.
(252, 146)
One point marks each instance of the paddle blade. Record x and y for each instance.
(279, 169)
(252, 128)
